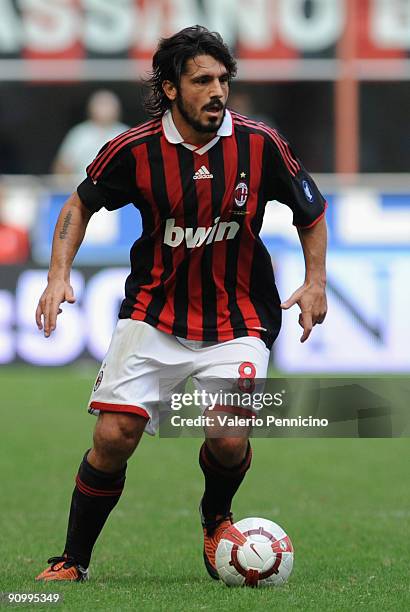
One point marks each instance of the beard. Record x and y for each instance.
(208, 127)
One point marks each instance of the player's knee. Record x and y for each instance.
(228, 451)
(118, 434)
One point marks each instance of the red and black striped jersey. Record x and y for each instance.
(200, 270)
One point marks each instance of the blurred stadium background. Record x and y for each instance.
(331, 75)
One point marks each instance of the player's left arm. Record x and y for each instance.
(311, 296)
(287, 181)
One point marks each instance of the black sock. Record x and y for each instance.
(95, 495)
(221, 483)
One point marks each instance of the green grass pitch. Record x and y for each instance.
(345, 504)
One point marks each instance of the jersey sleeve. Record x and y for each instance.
(287, 181)
(110, 181)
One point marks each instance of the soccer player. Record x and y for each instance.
(200, 299)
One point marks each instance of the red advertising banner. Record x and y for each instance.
(262, 30)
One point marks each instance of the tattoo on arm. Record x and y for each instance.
(66, 223)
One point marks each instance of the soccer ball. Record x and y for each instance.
(254, 552)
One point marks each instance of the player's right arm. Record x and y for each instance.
(110, 183)
(68, 236)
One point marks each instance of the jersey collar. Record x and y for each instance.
(174, 137)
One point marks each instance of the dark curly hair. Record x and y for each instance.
(169, 61)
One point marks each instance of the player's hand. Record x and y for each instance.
(311, 299)
(56, 292)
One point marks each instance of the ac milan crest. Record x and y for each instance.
(98, 381)
(241, 194)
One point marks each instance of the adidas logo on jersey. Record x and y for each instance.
(174, 235)
(202, 173)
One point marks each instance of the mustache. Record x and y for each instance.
(212, 105)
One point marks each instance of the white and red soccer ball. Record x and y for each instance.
(254, 552)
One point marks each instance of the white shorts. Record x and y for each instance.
(141, 359)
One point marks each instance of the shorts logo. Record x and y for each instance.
(98, 381)
(241, 194)
(307, 190)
